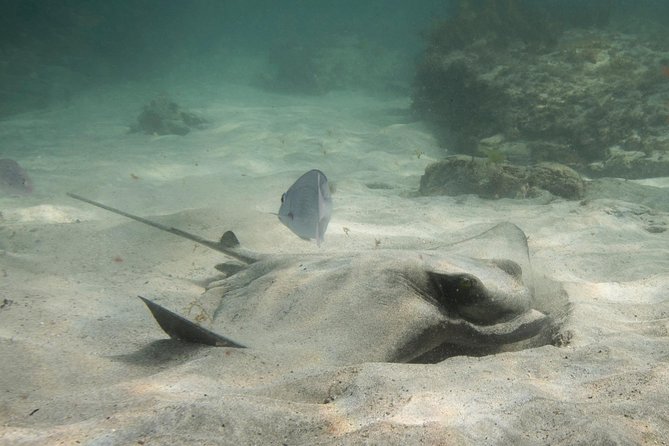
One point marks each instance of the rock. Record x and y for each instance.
(461, 174)
(557, 179)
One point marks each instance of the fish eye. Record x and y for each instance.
(283, 197)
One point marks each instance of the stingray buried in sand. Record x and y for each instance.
(476, 296)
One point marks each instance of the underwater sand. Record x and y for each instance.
(79, 357)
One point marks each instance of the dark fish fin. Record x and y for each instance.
(218, 246)
(229, 240)
(229, 269)
(182, 329)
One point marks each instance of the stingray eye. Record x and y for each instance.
(283, 197)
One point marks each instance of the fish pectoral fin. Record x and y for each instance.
(182, 329)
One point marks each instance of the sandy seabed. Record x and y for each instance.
(83, 362)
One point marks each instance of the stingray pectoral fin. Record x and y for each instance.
(180, 328)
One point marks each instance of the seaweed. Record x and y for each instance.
(162, 116)
(500, 22)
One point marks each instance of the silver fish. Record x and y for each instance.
(306, 206)
(13, 179)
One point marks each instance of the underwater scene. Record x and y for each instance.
(311, 222)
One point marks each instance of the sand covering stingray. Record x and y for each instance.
(89, 364)
(380, 305)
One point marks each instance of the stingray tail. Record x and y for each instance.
(224, 245)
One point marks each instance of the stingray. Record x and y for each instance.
(13, 179)
(306, 206)
(474, 296)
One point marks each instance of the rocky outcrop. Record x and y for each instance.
(568, 96)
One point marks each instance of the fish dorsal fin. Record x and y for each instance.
(229, 240)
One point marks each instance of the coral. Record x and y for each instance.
(557, 179)
(497, 22)
(593, 90)
(631, 164)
